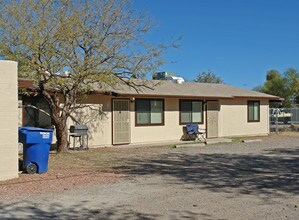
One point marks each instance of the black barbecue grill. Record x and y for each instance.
(79, 129)
(78, 133)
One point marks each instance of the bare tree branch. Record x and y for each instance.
(94, 41)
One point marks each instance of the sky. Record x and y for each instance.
(239, 40)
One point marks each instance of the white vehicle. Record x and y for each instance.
(282, 116)
(280, 113)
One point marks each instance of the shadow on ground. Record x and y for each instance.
(29, 210)
(271, 172)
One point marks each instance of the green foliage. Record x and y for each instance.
(285, 85)
(95, 41)
(275, 84)
(258, 88)
(208, 77)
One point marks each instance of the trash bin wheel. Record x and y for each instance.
(31, 168)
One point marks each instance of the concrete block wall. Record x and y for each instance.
(8, 120)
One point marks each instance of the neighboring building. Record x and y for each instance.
(9, 120)
(124, 116)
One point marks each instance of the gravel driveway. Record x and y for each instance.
(257, 180)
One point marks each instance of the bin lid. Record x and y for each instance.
(35, 129)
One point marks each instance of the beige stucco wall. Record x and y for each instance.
(170, 131)
(232, 121)
(97, 116)
(9, 120)
(20, 112)
(233, 118)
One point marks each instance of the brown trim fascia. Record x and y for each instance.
(262, 97)
(119, 95)
(163, 96)
(25, 83)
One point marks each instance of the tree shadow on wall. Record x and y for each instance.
(93, 116)
(271, 172)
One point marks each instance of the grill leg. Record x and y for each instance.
(74, 142)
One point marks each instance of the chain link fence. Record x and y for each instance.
(284, 119)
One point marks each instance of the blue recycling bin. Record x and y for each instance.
(36, 148)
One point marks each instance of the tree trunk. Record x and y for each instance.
(61, 136)
(59, 120)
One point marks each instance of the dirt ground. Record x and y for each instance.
(258, 180)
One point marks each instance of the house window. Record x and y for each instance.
(149, 111)
(191, 111)
(253, 111)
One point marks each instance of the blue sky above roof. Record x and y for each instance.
(238, 40)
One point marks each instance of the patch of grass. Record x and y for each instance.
(102, 158)
(288, 133)
(236, 139)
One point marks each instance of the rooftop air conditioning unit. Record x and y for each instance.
(180, 80)
(175, 79)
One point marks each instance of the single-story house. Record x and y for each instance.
(160, 111)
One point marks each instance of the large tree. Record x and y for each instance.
(275, 84)
(285, 85)
(208, 77)
(68, 45)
